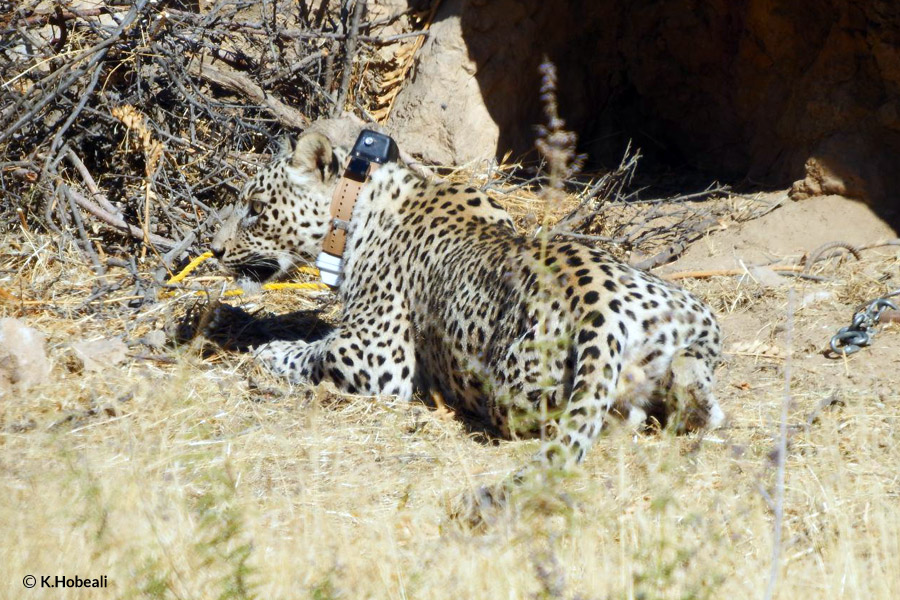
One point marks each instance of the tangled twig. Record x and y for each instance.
(817, 254)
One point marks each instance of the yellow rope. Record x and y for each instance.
(190, 267)
(178, 277)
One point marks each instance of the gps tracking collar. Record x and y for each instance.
(371, 150)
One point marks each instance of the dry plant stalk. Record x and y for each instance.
(153, 151)
(781, 455)
(555, 144)
(671, 221)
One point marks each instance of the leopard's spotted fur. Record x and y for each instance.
(440, 293)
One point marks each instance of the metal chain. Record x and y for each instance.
(859, 333)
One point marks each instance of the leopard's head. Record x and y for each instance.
(282, 214)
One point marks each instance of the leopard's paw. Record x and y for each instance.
(281, 357)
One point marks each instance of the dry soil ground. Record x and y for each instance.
(179, 473)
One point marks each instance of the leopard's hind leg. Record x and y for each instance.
(691, 400)
(598, 367)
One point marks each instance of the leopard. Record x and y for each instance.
(442, 295)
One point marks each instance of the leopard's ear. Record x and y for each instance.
(313, 153)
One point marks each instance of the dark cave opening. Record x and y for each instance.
(759, 93)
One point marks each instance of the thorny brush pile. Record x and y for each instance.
(147, 115)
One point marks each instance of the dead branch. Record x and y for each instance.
(727, 272)
(881, 244)
(242, 84)
(294, 69)
(817, 254)
(692, 234)
(91, 185)
(121, 225)
(348, 57)
(215, 89)
(42, 17)
(606, 189)
(86, 246)
(97, 52)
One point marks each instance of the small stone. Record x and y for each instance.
(155, 339)
(23, 356)
(97, 355)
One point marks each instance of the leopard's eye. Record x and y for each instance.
(256, 207)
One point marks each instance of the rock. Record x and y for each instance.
(97, 355)
(155, 339)
(442, 115)
(766, 276)
(817, 297)
(23, 356)
(820, 180)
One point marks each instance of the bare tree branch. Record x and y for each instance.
(242, 84)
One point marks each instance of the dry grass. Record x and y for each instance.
(205, 478)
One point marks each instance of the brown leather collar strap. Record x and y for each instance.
(342, 203)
